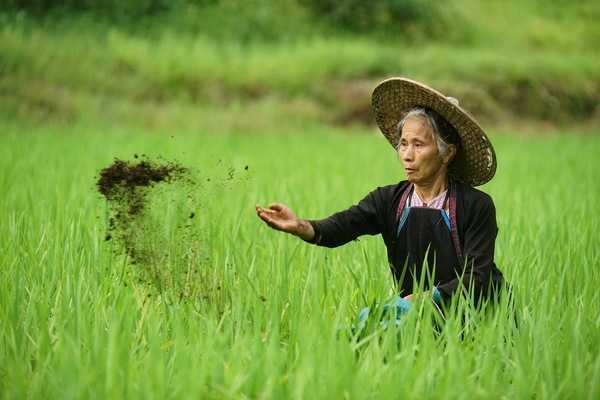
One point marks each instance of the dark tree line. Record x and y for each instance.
(349, 15)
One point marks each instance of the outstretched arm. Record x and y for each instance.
(280, 217)
(364, 218)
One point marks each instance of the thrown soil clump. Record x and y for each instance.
(122, 181)
(156, 219)
(126, 185)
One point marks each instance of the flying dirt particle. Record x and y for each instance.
(125, 186)
(123, 183)
(246, 168)
(123, 176)
(173, 263)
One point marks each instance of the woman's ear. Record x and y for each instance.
(449, 156)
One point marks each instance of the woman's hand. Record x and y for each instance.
(280, 217)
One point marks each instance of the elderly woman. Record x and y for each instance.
(435, 219)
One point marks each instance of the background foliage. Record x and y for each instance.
(315, 60)
(395, 16)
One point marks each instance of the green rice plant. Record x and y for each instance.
(70, 327)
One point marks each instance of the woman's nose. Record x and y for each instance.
(407, 154)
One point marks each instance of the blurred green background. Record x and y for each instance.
(218, 65)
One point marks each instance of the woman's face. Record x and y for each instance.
(419, 153)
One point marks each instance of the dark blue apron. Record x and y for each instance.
(426, 238)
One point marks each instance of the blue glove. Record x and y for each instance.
(400, 306)
(363, 316)
(436, 295)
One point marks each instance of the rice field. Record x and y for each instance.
(269, 311)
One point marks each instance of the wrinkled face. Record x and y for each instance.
(419, 153)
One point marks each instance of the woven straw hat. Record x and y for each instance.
(475, 161)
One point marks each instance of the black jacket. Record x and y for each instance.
(376, 214)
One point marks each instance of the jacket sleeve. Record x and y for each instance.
(364, 218)
(480, 272)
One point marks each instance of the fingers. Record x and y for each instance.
(265, 215)
(272, 209)
(260, 209)
(271, 222)
(276, 206)
(272, 218)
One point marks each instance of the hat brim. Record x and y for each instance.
(475, 161)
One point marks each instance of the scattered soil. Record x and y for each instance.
(121, 180)
(155, 220)
(125, 186)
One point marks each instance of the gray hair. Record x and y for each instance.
(442, 145)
